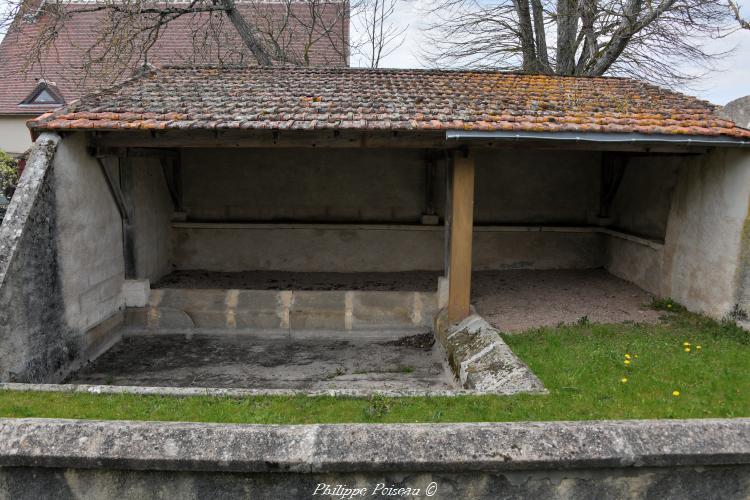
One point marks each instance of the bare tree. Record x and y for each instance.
(636, 38)
(378, 35)
(735, 9)
(223, 31)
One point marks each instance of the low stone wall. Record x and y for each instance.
(637, 260)
(672, 459)
(184, 310)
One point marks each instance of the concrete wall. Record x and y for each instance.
(536, 187)
(634, 259)
(304, 185)
(643, 200)
(89, 237)
(14, 135)
(61, 266)
(703, 253)
(652, 460)
(152, 210)
(373, 248)
(371, 186)
(377, 185)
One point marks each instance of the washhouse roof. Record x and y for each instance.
(294, 98)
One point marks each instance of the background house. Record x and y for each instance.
(29, 87)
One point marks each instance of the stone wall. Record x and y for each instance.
(652, 459)
(704, 265)
(384, 185)
(376, 248)
(35, 341)
(152, 215)
(644, 198)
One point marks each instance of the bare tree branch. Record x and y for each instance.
(378, 35)
(122, 34)
(647, 39)
(736, 12)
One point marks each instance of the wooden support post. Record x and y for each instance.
(461, 233)
(127, 186)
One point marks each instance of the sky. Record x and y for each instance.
(730, 82)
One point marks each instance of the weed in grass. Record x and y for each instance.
(666, 304)
(737, 314)
(380, 406)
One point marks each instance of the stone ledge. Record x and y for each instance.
(481, 360)
(493, 447)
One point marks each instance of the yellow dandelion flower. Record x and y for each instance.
(624, 380)
(675, 393)
(697, 348)
(686, 344)
(687, 349)
(627, 362)
(627, 356)
(636, 356)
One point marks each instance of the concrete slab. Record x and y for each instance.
(518, 300)
(233, 361)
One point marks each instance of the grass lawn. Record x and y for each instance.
(582, 365)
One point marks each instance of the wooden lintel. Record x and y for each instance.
(267, 139)
(144, 143)
(128, 152)
(461, 233)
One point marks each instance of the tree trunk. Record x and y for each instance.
(541, 38)
(247, 33)
(526, 35)
(567, 25)
(628, 27)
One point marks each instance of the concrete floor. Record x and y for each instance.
(251, 362)
(511, 301)
(518, 300)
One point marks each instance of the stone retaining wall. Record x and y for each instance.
(35, 344)
(617, 459)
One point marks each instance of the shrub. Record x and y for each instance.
(8, 174)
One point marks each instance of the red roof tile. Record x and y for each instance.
(288, 98)
(62, 62)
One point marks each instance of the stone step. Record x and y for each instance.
(176, 310)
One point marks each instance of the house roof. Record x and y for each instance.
(190, 39)
(289, 98)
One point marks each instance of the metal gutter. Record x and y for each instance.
(598, 137)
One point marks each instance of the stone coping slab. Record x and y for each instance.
(231, 392)
(481, 360)
(462, 447)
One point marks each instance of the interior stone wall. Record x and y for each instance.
(706, 247)
(89, 237)
(152, 210)
(384, 185)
